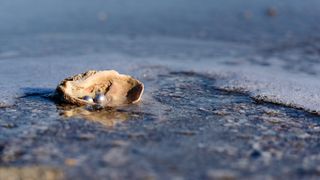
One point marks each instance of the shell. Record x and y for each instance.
(117, 88)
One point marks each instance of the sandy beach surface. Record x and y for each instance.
(231, 90)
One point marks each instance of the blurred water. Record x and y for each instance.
(231, 19)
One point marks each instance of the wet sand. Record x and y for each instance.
(236, 98)
(184, 128)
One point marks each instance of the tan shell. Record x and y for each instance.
(119, 89)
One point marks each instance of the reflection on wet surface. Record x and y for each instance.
(107, 117)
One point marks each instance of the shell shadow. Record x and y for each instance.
(30, 91)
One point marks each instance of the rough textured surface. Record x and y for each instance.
(185, 128)
(194, 58)
(32, 173)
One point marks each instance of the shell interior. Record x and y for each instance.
(117, 88)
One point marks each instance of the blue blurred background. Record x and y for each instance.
(235, 20)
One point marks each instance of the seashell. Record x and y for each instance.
(117, 89)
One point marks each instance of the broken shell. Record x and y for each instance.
(118, 89)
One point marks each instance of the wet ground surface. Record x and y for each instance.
(194, 58)
(185, 128)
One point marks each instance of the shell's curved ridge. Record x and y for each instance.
(118, 89)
